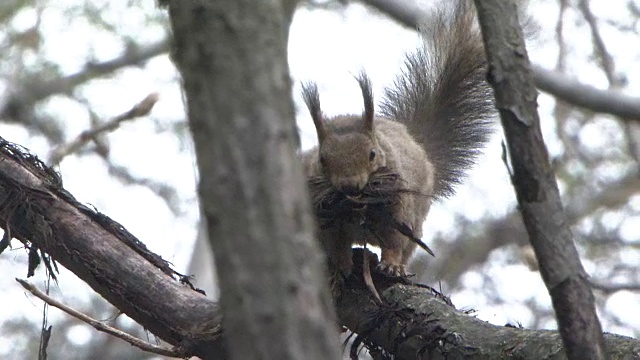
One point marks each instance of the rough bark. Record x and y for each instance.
(233, 60)
(38, 211)
(533, 178)
(417, 322)
(35, 209)
(421, 326)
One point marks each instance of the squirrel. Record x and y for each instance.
(433, 123)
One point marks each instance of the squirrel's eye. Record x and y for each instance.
(323, 162)
(372, 154)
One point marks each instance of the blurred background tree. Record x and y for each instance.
(69, 67)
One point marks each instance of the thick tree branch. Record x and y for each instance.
(554, 83)
(534, 181)
(35, 208)
(586, 96)
(418, 323)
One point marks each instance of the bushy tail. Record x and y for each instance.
(442, 95)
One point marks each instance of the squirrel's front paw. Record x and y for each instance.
(393, 269)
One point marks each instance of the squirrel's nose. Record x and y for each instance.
(350, 185)
(350, 189)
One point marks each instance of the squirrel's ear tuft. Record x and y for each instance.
(312, 99)
(367, 95)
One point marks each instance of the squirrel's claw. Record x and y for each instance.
(397, 270)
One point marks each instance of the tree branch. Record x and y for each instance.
(22, 99)
(586, 96)
(458, 254)
(608, 288)
(534, 181)
(417, 323)
(35, 208)
(139, 110)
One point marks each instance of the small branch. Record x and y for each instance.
(45, 330)
(612, 288)
(98, 325)
(141, 109)
(407, 13)
(599, 46)
(34, 91)
(163, 190)
(585, 96)
(608, 66)
(561, 109)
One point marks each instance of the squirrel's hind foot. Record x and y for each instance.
(395, 270)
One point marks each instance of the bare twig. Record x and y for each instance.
(141, 109)
(45, 330)
(562, 109)
(609, 68)
(612, 288)
(165, 191)
(34, 91)
(98, 325)
(600, 49)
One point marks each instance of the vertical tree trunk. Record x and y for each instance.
(233, 60)
(536, 189)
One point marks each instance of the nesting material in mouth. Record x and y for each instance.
(371, 208)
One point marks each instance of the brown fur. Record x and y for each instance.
(435, 120)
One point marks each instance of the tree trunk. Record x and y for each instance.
(233, 60)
